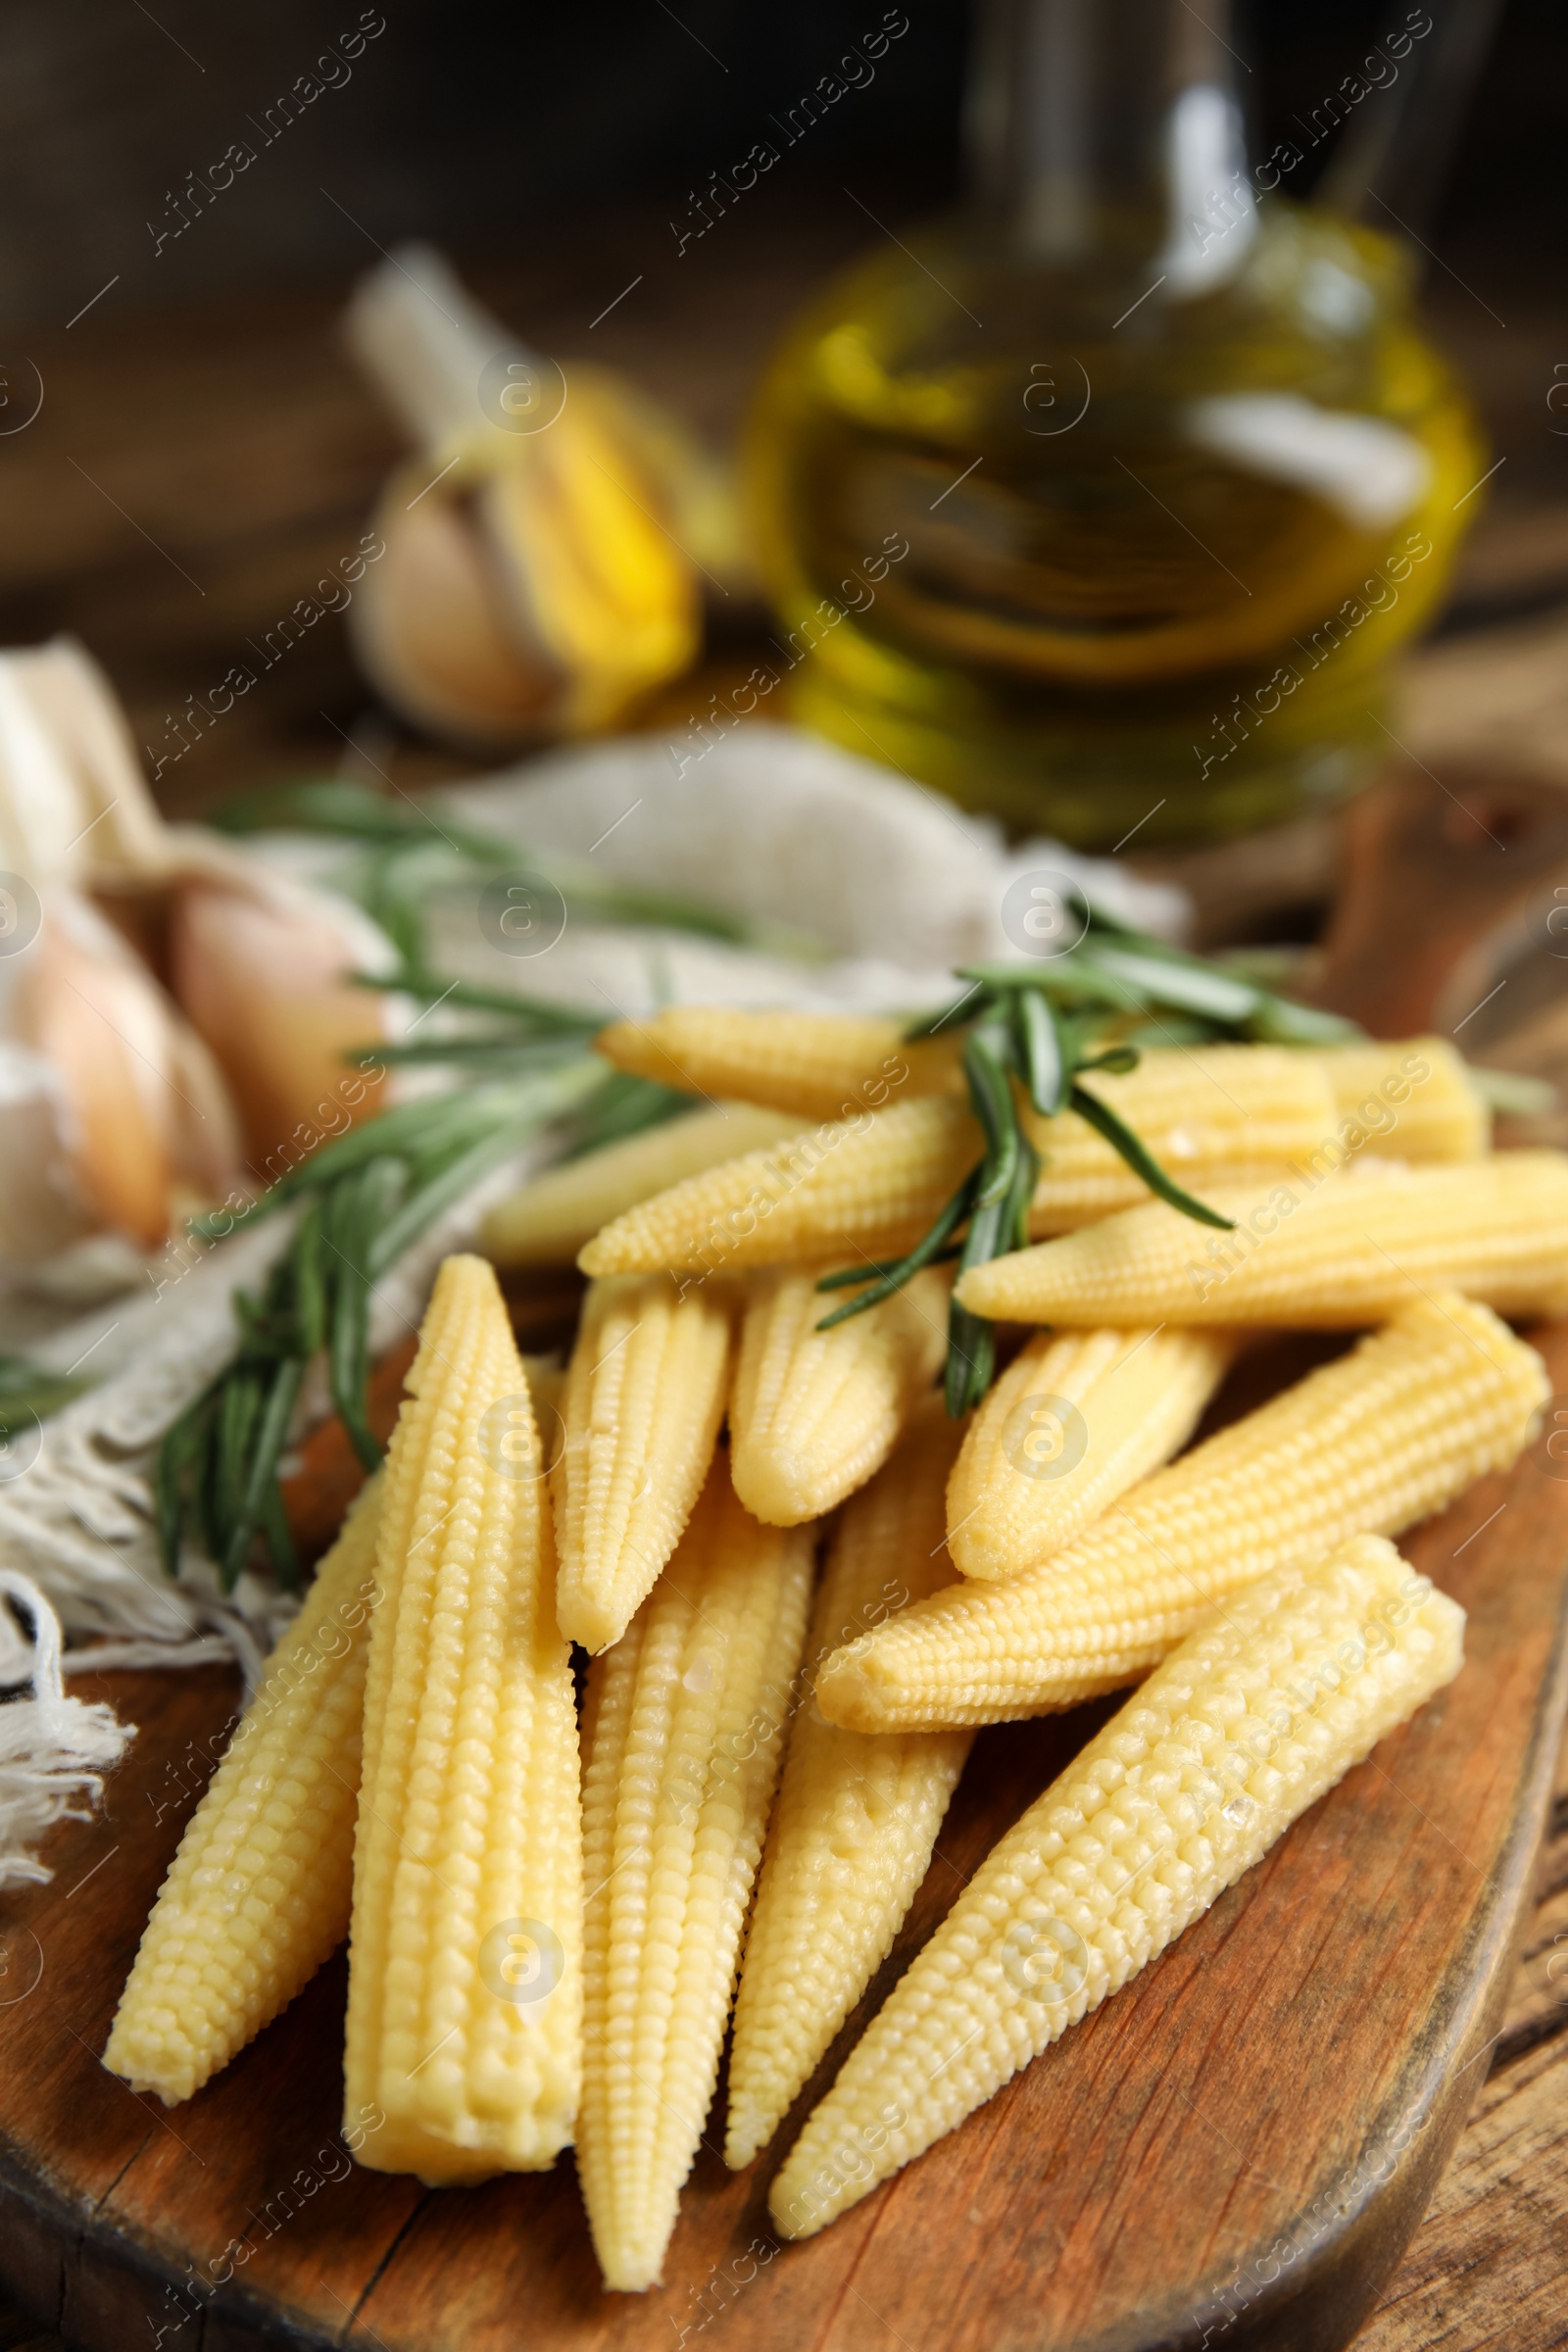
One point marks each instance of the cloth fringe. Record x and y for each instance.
(54, 1749)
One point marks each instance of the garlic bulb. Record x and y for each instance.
(544, 555)
(126, 1106)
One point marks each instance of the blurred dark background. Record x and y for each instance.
(206, 449)
(490, 127)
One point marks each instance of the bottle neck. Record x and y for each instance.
(1101, 125)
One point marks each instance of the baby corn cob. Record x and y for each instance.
(1345, 1254)
(821, 1065)
(683, 1730)
(813, 1413)
(1071, 1424)
(1218, 1115)
(870, 1185)
(548, 1221)
(1367, 1444)
(645, 1395)
(857, 1818)
(464, 1958)
(1414, 1094)
(1251, 1721)
(1412, 1099)
(873, 1184)
(258, 1893)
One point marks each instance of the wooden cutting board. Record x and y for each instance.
(1234, 2151)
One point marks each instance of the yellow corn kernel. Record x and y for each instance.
(683, 1732)
(1365, 1446)
(871, 1184)
(1218, 1115)
(549, 1219)
(1250, 1721)
(645, 1395)
(813, 1413)
(819, 1065)
(466, 1949)
(1072, 1423)
(1409, 1100)
(857, 1818)
(1345, 1254)
(868, 1186)
(258, 1893)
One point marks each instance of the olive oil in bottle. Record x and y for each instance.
(1106, 506)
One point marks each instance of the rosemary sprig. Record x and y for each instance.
(999, 1219)
(1121, 1139)
(1034, 1031)
(892, 1276)
(363, 1200)
(28, 1393)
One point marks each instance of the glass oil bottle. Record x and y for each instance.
(1104, 507)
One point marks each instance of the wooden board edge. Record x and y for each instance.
(113, 2276)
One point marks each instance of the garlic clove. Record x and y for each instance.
(427, 625)
(97, 1018)
(258, 971)
(42, 1211)
(204, 1146)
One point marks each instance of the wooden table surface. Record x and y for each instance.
(187, 479)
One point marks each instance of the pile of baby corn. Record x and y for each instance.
(545, 1952)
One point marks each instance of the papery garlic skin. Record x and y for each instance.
(75, 806)
(41, 807)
